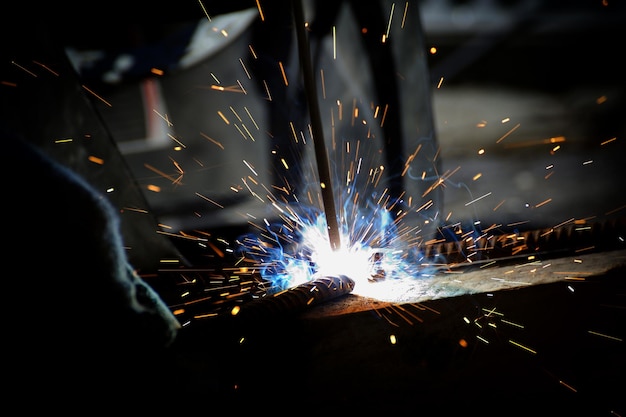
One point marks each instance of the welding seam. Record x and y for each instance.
(299, 297)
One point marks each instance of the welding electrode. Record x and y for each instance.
(319, 143)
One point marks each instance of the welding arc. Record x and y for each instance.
(319, 144)
(298, 298)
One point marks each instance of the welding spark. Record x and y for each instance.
(296, 249)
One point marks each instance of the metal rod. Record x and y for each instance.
(321, 155)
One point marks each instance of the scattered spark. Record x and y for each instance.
(563, 223)
(251, 118)
(165, 118)
(393, 6)
(204, 10)
(522, 346)
(618, 339)
(175, 139)
(209, 200)
(233, 111)
(477, 199)
(568, 386)
(512, 324)
(212, 140)
(169, 177)
(382, 120)
(24, 69)
(498, 205)
(223, 117)
(169, 261)
(406, 9)
(539, 142)
(63, 140)
(96, 160)
(250, 167)
(543, 203)
(136, 210)
(258, 5)
(282, 71)
(96, 95)
(47, 68)
(508, 133)
(334, 42)
(243, 65)
(491, 312)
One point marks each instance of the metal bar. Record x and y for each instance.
(297, 299)
(321, 155)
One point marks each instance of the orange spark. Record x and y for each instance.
(223, 117)
(258, 5)
(24, 69)
(282, 71)
(209, 200)
(508, 133)
(96, 160)
(46, 68)
(97, 96)
(212, 140)
(231, 89)
(164, 175)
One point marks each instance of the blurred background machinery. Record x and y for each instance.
(542, 73)
(527, 105)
